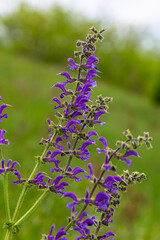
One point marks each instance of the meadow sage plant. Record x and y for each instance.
(71, 133)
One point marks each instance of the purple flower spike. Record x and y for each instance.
(73, 65)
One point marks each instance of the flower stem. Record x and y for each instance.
(20, 200)
(32, 208)
(6, 197)
(8, 235)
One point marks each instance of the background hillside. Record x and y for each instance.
(34, 48)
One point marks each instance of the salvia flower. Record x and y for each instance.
(72, 65)
(2, 139)
(59, 234)
(71, 173)
(101, 200)
(2, 107)
(127, 154)
(10, 167)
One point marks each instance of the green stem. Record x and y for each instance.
(32, 208)
(6, 197)
(21, 197)
(8, 235)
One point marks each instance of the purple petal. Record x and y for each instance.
(102, 196)
(106, 167)
(72, 62)
(50, 233)
(58, 139)
(84, 214)
(103, 141)
(48, 153)
(90, 168)
(108, 234)
(91, 74)
(78, 113)
(57, 179)
(14, 164)
(91, 60)
(130, 153)
(118, 179)
(88, 222)
(98, 114)
(8, 163)
(59, 85)
(100, 150)
(56, 100)
(62, 185)
(70, 195)
(55, 153)
(91, 133)
(128, 162)
(69, 145)
(85, 144)
(87, 193)
(60, 233)
(77, 170)
(2, 161)
(2, 107)
(66, 74)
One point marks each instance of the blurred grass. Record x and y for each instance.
(26, 85)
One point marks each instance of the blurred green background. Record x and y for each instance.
(34, 47)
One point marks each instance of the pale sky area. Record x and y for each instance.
(145, 13)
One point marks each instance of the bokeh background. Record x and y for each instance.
(36, 38)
